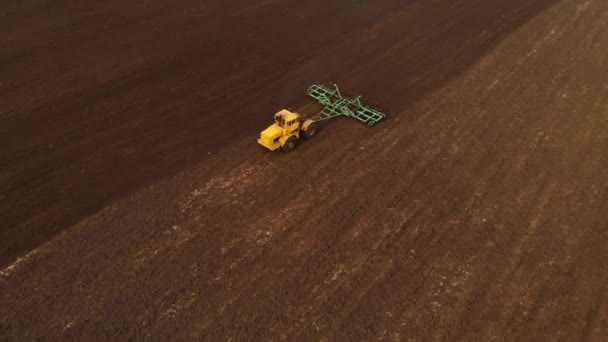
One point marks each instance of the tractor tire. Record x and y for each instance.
(311, 130)
(290, 144)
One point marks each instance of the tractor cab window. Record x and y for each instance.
(280, 120)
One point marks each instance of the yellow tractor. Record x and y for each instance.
(289, 127)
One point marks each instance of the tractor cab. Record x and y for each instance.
(286, 119)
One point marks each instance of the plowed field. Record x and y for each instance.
(135, 202)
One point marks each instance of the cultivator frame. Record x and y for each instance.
(335, 104)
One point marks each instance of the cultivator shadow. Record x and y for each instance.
(337, 104)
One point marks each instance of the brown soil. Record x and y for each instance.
(135, 203)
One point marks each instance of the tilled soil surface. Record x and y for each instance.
(135, 202)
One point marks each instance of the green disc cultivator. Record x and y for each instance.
(337, 105)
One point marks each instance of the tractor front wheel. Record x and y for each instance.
(290, 144)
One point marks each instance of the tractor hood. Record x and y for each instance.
(271, 133)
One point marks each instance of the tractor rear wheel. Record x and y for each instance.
(290, 144)
(311, 130)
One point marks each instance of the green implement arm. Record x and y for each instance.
(337, 105)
